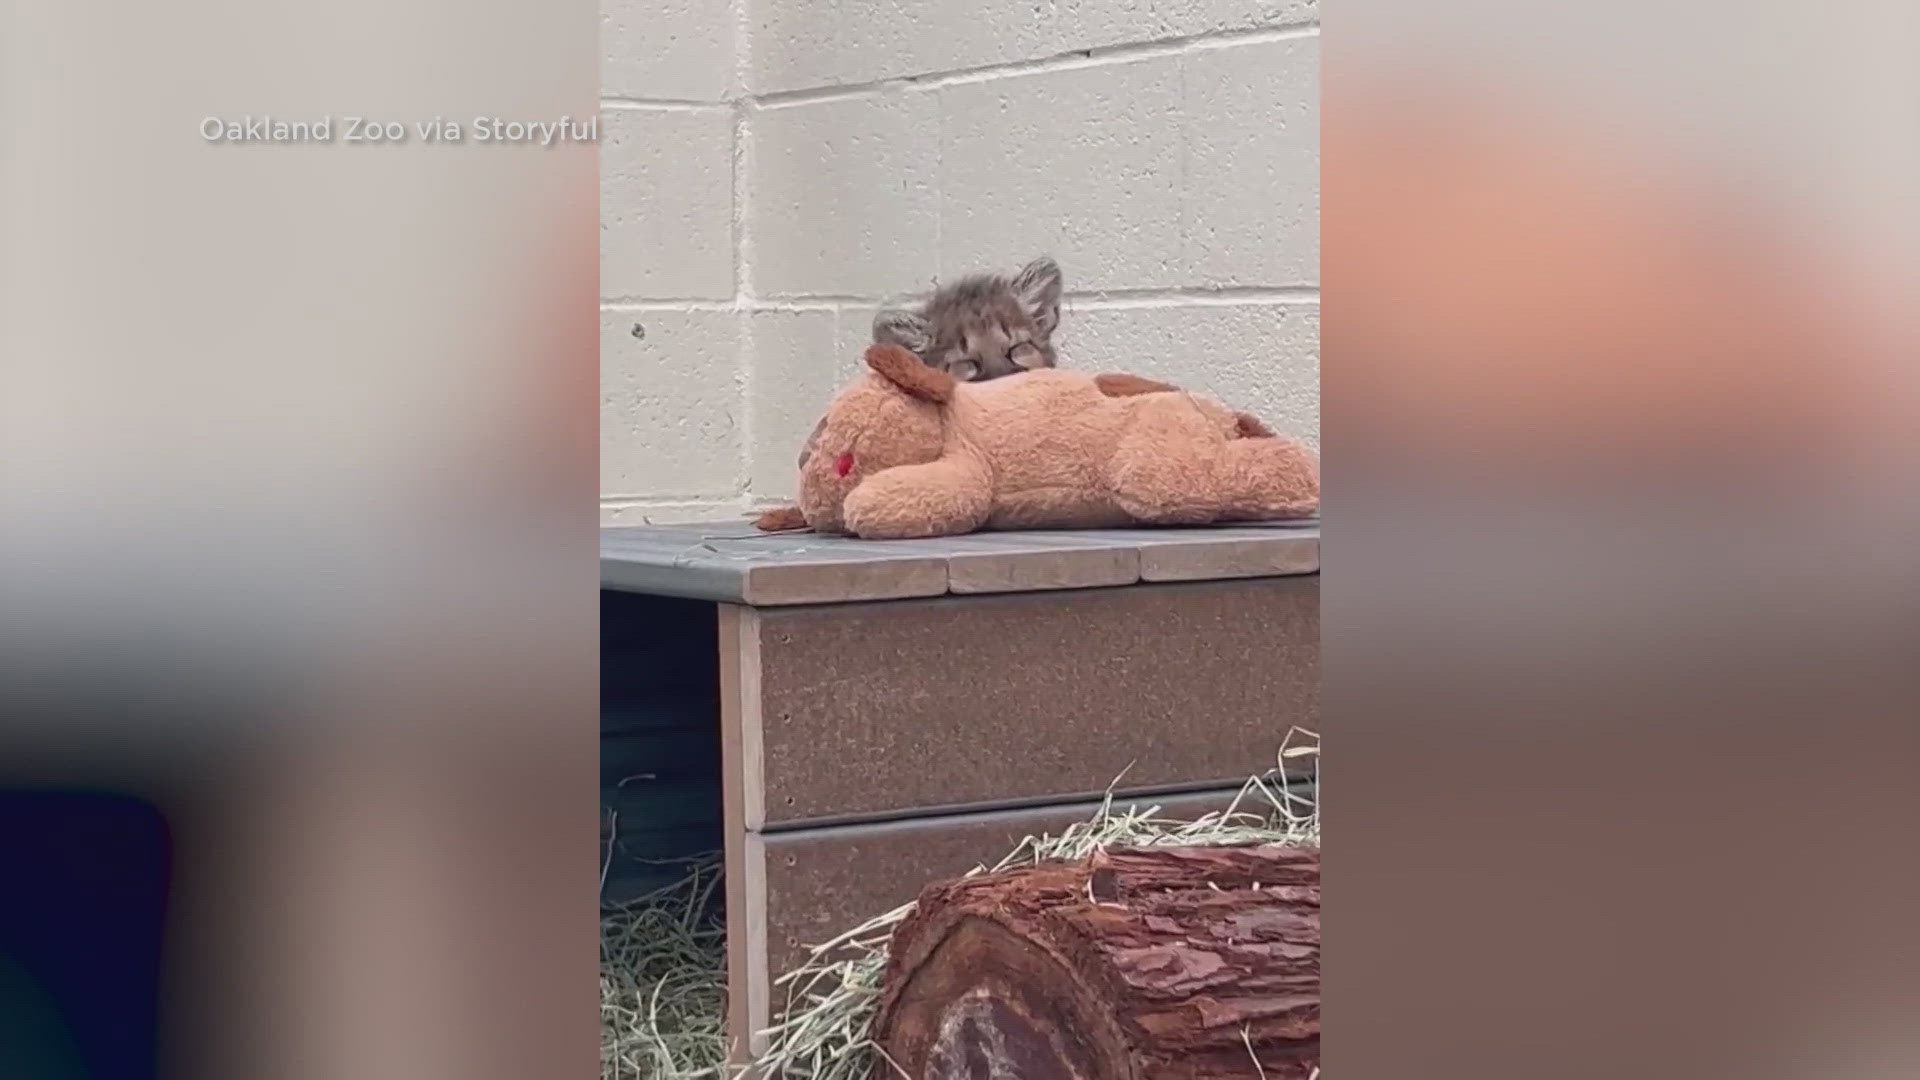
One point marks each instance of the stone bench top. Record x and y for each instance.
(730, 562)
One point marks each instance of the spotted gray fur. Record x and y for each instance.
(983, 326)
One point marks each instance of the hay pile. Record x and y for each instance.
(663, 962)
(663, 981)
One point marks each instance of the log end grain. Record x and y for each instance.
(986, 1005)
(1169, 964)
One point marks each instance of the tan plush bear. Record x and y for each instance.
(908, 452)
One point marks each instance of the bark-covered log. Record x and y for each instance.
(1154, 964)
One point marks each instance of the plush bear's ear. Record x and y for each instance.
(813, 440)
(904, 370)
(1252, 427)
(1119, 384)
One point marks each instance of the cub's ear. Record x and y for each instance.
(894, 326)
(904, 370)
(1038, 287)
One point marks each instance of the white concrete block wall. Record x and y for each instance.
(774, 170)
(1085, 163)
(666, 204)
(796, 45)
(667, 50)
(671, 405)
(843, 197)
(1251, 184)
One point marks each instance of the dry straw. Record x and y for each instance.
(662, 958)
(663, 982)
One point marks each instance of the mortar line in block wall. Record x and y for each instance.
(939, 193)
(1183, 208)
(640, 304)
(1110, 299)
(740, 33)
(745, 378)
(1072, 60)
(740, 38)
(813, 299)
(1124, 299)
(642, 501)
(661, 104)
(1259, 35)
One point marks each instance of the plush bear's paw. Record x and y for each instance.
(886, 512)
(892, 507)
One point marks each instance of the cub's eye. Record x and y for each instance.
(1025, 354)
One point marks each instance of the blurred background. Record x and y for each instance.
(773, 172)
(1621, 589)
(1621, 426)
(296, 451)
